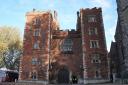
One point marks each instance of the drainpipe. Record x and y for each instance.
(83, 47)
(49, 34)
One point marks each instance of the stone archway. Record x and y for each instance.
(63, 76)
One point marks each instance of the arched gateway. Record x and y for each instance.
(63, 76)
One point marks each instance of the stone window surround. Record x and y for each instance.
(93, 31)
(33, 75)
(36, 32)
(97, 73)
(91, 18)
(66, 45)
(34, 61)
(94, 43)
(36, 45)
(95, 58)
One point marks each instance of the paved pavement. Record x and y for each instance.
(7, 83)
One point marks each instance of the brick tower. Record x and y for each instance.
(36, 47)
(95, 61)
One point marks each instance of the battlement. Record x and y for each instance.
(91, 9)
(39, 12)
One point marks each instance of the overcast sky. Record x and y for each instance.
(12, 13)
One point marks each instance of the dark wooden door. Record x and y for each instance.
(63, 76)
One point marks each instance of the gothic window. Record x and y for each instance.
(91, 18)
(96, 58)
(34, 75)
(66, 46)
(93, 31)
(94, 44)
(36, 45)
(36, 32)
(34, 61)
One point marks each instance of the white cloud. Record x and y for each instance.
(102, 3)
